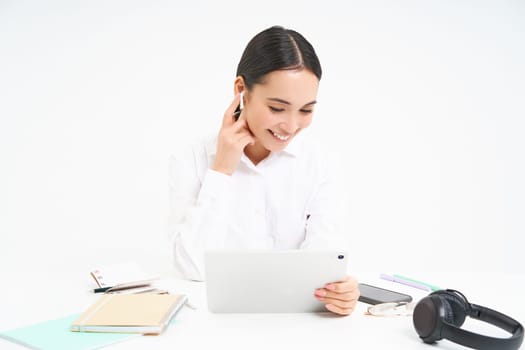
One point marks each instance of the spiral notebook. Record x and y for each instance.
(122, 276)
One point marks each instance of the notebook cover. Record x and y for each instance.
(140, 313)
(56, 335)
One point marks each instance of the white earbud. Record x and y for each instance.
(242, 101)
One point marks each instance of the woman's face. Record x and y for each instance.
(280, 107)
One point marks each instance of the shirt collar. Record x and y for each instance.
(293, 149)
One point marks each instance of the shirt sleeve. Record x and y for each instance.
(199, 207)
(324, 224)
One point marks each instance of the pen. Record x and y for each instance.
(406, 282)
(430, 286)
(122, 287)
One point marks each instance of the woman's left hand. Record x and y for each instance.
(339, 297)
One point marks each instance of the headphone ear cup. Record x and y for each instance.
(426, 319)
(455, 310)
(436, 308)
(448, 313)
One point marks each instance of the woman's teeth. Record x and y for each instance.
(280, 137)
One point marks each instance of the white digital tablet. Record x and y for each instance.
(268, 281)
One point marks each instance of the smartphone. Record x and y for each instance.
(376, 295)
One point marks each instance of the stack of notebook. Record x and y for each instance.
(112, 318)
(146, 313)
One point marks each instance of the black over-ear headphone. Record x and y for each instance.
(441, 314)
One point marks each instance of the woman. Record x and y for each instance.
(259, 184)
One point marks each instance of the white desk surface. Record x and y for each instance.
(45, 292)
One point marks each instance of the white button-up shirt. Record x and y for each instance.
(287, 201)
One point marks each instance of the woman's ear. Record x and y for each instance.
(238, 85)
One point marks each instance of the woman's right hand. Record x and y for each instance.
(234, 136)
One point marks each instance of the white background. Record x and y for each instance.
(423, 100)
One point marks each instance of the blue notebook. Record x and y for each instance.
(55, 335)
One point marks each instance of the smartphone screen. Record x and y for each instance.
(376, 295)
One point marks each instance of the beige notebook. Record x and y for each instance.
(146, 313)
